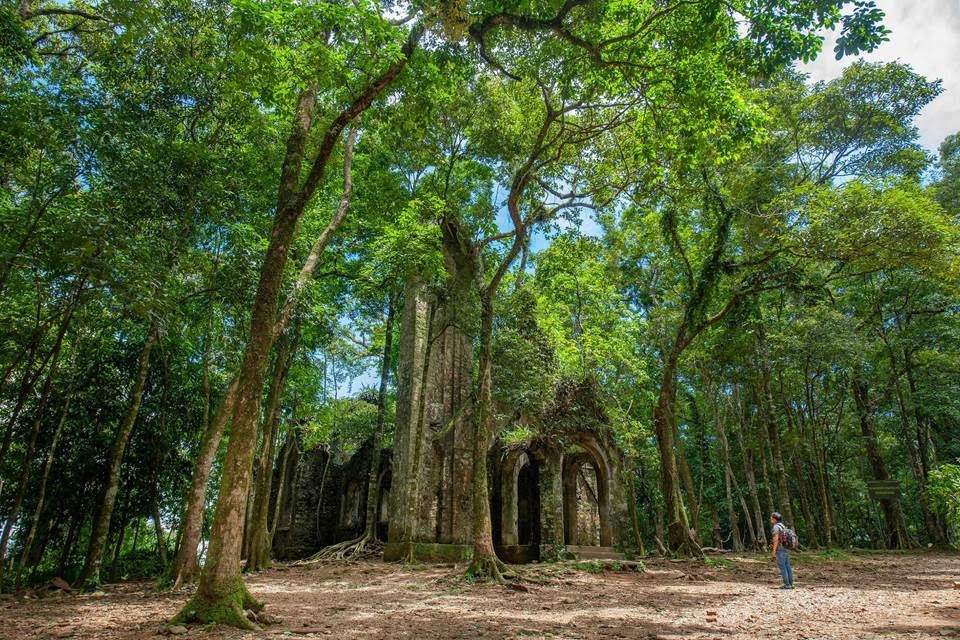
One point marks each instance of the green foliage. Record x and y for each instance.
(873, 225)
(409, 245)
(947, 188)
(524, 364)
(945, 493)
(590, 566)
(15, 44)
(741, 215)
(518, 435)
(347, 421)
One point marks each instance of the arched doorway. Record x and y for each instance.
(586, 498)
(519, 539)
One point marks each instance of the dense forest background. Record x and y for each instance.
(210, 211)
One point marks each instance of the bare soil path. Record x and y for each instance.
(862, 597)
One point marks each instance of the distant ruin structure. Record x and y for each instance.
(563, 493)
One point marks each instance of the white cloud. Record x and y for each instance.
(926, 36)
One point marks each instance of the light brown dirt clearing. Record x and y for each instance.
(863, 597)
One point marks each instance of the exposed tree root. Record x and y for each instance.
(689, 549)
(487, 568)
(356, 549)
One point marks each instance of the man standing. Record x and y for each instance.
(781, 550)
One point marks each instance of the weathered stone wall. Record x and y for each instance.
(430, 500)
(432, 468)
(324, 500)
(296, 534)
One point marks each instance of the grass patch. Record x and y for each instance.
(599, 566)
(832, 555)
(719, 563)
(590, 566)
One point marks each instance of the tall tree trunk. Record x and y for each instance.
(634, 518)
(764, 449)
(678, 528)
(929, 521)
(158, 457)
(47, 532)
(118, 547)
(827, 504)
(32, 445)
(90, 576)
(748, 470)
(773, 428)
(921, 421)
(810, 529)
(158, 529)
(222, 595)
(693, 503)
(373, 480)
(76, 524)
(484, 561)
(118, 536)
(729, 480)
(259, 540)
(895, 529)
(186, 566)
(42, 492)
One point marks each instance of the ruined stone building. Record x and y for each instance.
(562, 493)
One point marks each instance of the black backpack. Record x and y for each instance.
(789, 537)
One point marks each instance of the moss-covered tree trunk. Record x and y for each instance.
(186, 566)
(484, 561)
(221, 595)
(678, 528)
(686, 476)
(259, 539)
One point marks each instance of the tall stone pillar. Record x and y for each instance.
(551, 504)
(413, 330)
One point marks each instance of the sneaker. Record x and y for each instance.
(786, 586)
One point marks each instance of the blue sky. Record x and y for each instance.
(926, 36)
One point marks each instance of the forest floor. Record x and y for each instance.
(861, 596)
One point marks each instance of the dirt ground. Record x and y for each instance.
(861, 597)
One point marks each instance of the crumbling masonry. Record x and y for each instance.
(562, 493)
